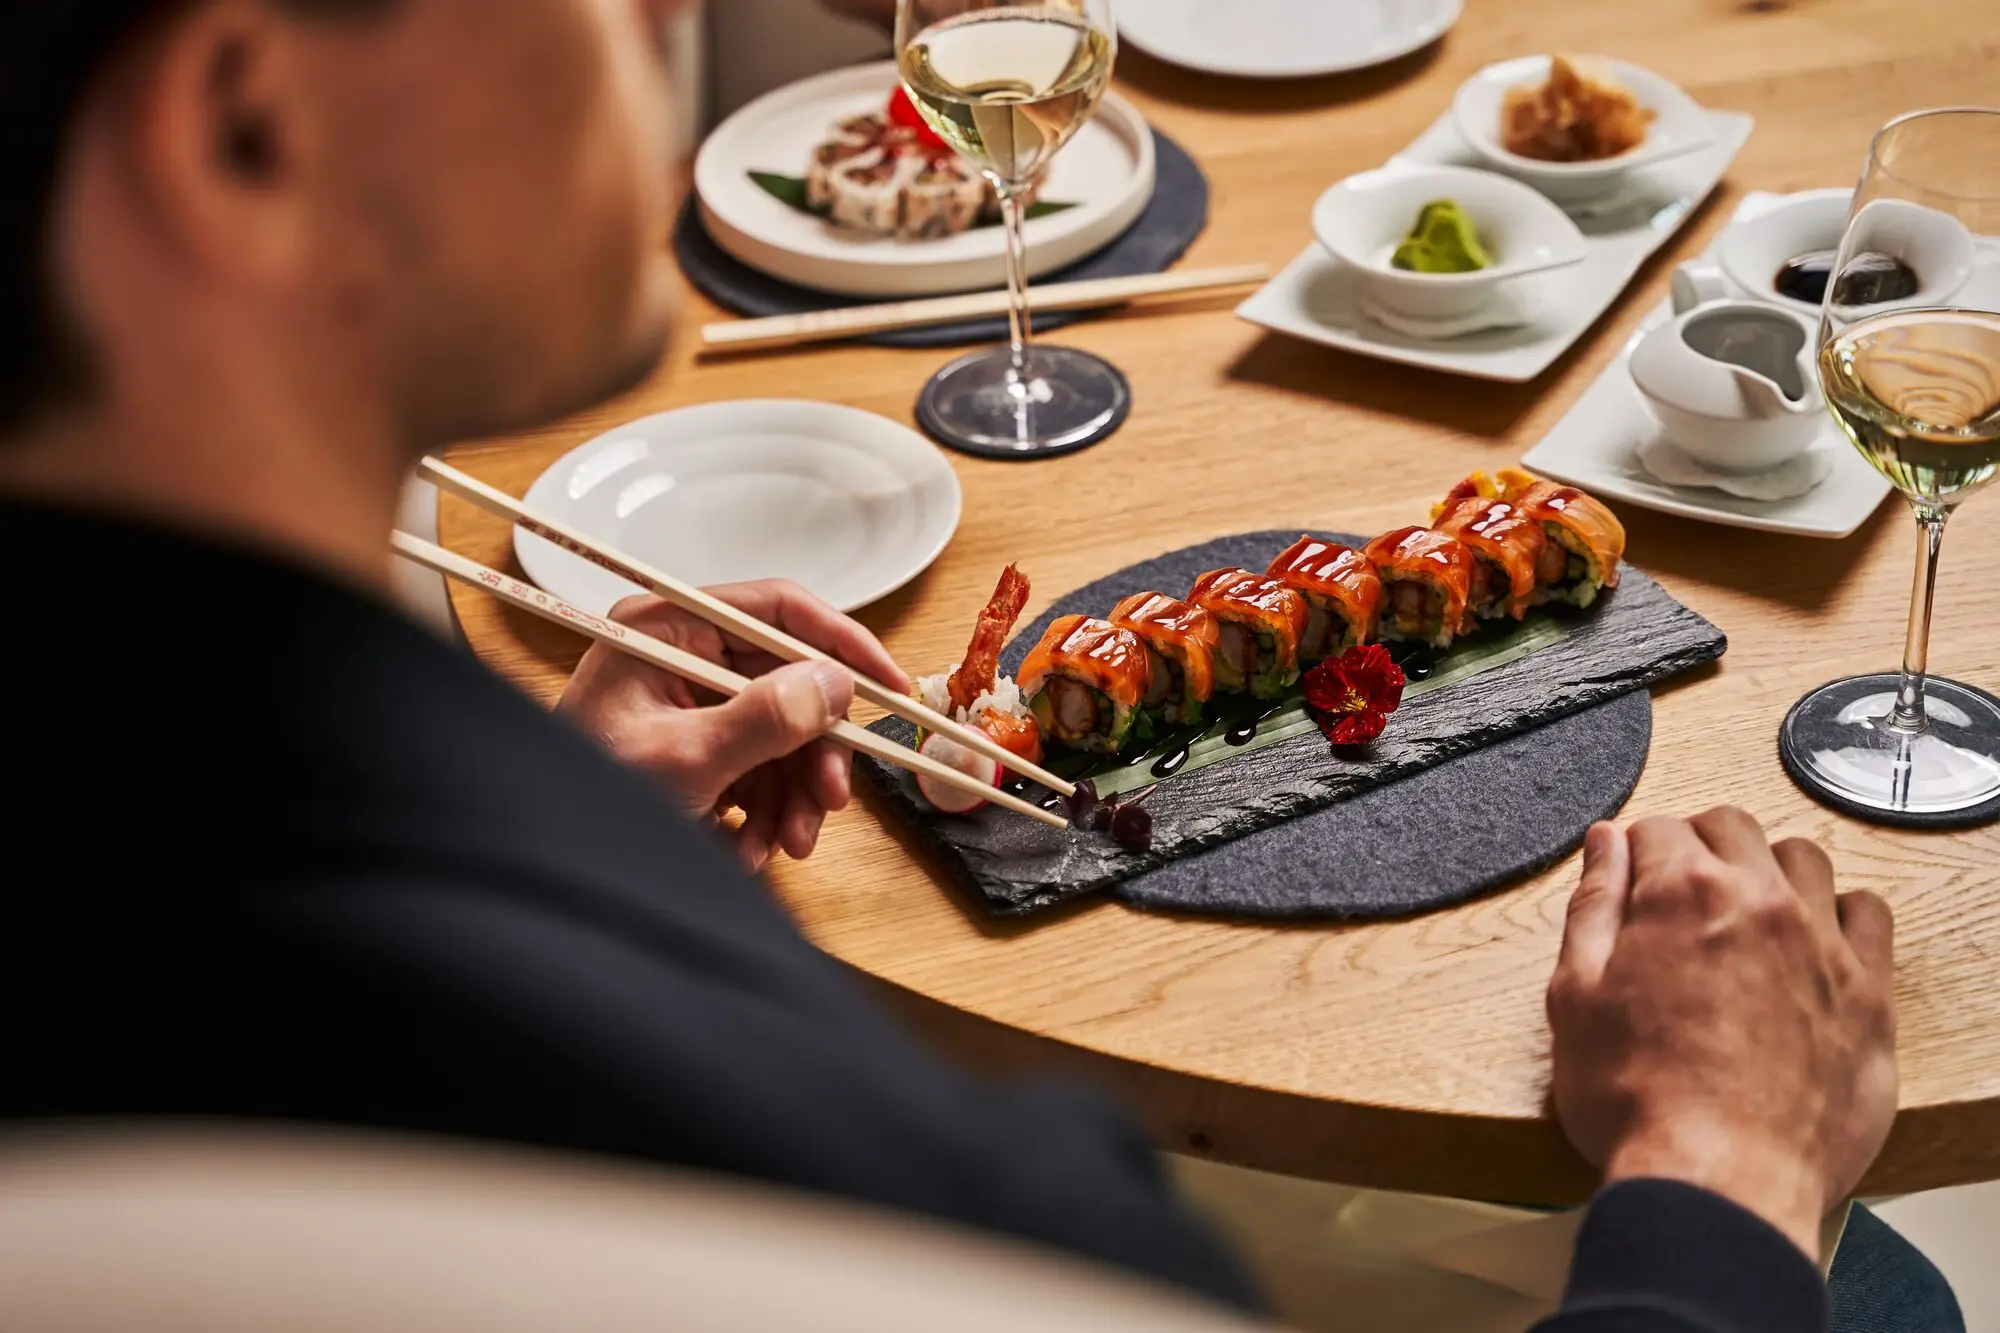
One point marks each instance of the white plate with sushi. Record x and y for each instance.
(1283, 39)
(1096, 187)
(849, 504)
(1320, 299)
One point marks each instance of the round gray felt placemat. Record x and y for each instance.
(1172, 219)
(1439, 837)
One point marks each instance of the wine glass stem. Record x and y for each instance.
(1908, 715)
(1019, 331)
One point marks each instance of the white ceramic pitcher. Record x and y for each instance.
(1733, 383)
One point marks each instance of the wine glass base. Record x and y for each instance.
(1838, 745)
(1068, 400)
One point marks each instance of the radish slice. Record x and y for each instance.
(951, 754)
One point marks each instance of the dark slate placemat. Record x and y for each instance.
(1162, 233)
(1633, 637)
(1426, 841)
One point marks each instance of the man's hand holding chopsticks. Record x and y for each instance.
(763, 752)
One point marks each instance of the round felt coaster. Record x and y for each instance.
(1788, 754)
(935, 415)
(1436, 838)
(1175, 216)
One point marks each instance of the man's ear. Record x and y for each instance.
(221, 133)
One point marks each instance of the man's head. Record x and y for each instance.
(439, 218)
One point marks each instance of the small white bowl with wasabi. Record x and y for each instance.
(1435, 243)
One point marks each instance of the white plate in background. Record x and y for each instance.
(1315, 298)
(1283, 39)
(1106, 171)
(849, 504)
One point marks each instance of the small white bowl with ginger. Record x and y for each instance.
(1572, 126)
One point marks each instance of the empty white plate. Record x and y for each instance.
(1283, 39)
(849, 504)
(1106, 171)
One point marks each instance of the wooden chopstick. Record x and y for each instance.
(691, 667)
(821, 325)
(729, 619)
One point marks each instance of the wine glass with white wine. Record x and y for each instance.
(1007, 85)
(1910, 361)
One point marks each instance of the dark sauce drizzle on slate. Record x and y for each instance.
(1418, 660)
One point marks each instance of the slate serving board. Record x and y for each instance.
(1162, 233)
(1631, 638)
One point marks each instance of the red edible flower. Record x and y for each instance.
(902, 111)
(1352, 695)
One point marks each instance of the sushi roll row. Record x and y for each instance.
(1497, 546)
(1157, 661)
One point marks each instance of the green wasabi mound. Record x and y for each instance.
(1443, 241)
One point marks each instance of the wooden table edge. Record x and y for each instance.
(1411, 1150)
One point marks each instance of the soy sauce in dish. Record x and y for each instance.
(1870, 279)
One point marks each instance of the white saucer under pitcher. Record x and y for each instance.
(1733, 384)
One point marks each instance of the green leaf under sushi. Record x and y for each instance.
(791, 191)
(1494, 648)
(787, 190)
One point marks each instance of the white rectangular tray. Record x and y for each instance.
(1596, 446)
(1314, 298)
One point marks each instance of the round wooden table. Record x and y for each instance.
(1409, 1055)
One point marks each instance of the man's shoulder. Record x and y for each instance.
(272, 708)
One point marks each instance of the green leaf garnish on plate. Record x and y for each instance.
(788, 190)
(791, 191)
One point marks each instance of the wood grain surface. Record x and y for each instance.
(1410, 1055)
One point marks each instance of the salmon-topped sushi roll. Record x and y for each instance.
(1085, 682)
(1181, 639)
(1260, 623)
(1586, 542)
(1342, 590)
(1507, 548)
(1585, 539)
(1426, 585)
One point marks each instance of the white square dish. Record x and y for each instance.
(1596, 446)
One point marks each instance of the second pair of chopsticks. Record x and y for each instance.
(729, 619)
(855, 321)
(692, 667)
